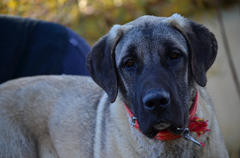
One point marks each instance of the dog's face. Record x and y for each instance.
(153, 68)
(154, 62)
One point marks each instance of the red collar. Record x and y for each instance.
(195, 124)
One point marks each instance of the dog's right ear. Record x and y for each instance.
(101, 63)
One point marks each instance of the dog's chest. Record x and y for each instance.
(163, 149)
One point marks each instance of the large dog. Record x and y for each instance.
(154, 68)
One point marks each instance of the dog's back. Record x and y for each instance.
(36, 116)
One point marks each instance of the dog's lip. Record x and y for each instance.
(162, 126)
(157, 128)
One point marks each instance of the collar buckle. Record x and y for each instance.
(133, 120)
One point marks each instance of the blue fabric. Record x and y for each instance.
(33, 47)
(75, 59)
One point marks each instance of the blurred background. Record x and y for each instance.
(91, 19)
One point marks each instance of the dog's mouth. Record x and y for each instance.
(163, 126)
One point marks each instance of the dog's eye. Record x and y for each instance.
(129, 63)
(174, 56)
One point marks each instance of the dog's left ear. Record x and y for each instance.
(101, 63)
(202, 46)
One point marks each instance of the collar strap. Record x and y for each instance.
(195, 124)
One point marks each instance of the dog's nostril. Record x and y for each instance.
(157, 102)
(149, 104)
(164, 101)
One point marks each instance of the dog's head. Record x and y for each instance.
(154, 63)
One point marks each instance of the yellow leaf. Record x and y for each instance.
(12, 4)
(61, 2)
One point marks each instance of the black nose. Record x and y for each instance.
(156, 100)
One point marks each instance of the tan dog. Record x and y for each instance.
(153, 65)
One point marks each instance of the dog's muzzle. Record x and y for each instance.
(195, 125)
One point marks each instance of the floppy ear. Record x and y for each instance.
(101, 64)
(202, 46)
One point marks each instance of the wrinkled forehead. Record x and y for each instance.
(150, 37)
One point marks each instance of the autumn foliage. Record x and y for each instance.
(93, 18)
